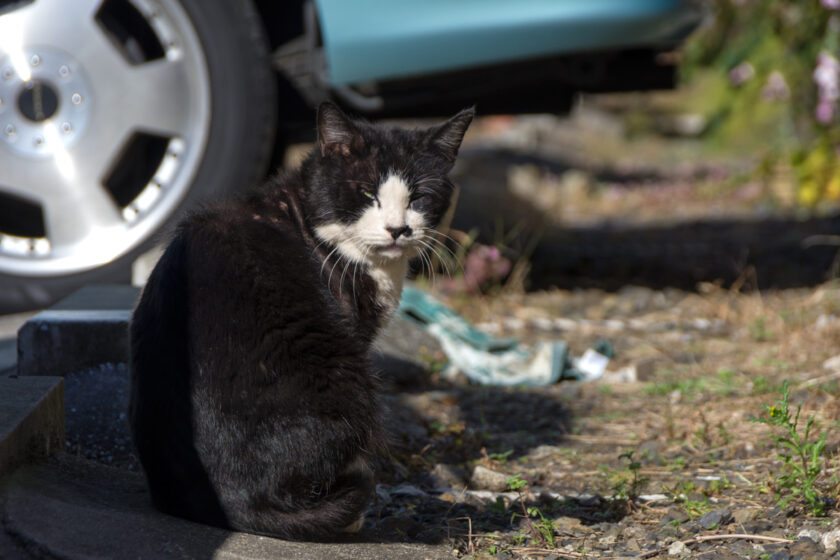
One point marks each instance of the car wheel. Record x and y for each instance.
(115, 117)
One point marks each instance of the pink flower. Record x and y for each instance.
(831, 4)
(483, 266)
(776, 88)
(741, 73)
(827, 78)
(824, 112)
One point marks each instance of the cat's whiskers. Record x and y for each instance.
(327, 259)
(445, 247)
(359, 242)
(431, 248)
(427, 263)
(445, 263)
(434, 232)
(355, 269)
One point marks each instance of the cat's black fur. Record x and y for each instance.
(253, 405)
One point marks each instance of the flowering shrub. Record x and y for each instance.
(780, 60)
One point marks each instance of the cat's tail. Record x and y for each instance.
(340, 510)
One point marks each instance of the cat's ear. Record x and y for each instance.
(335, 131)
(446, 137)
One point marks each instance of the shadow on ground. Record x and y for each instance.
(772, 252)
(448, 429)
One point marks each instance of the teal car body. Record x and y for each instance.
(371, 40)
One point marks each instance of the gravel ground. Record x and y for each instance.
(707, 475)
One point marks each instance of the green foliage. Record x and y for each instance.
(696, 508)
(501, 457)
(718, 486)
(545, 527)
(754, 72)
(628, 485)
(543, 530)
(722, 383)
(516, 483)
(800, 455)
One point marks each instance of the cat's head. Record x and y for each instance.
(376, 192)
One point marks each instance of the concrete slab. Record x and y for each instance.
(31, 420)
(87, 328)
(61, 342)
(75, 509)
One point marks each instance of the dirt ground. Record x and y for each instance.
(712, 291)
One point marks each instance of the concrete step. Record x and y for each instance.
(75, 509)
(31, 420)
(87, 328)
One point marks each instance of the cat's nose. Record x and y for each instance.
(396, 232)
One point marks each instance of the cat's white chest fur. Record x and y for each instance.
(389, 278)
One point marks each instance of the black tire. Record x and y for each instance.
(239, 143)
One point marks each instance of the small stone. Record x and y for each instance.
(780, 555)
(446, 476)
(588, 500)
(825, 320)
(408, 490)
(831, 540)
(745, 515)
(812, 534)
(832, 364)
(484, 478)
(678, 548)
(715, 518)
(609, 540)
(806, 545)
(567, 524)
(632, 545)
(674, 514)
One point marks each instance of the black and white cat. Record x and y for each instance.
(253, 405)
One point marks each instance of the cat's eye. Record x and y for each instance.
(414, 201)
(369, 195)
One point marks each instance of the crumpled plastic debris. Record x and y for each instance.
(488, 360)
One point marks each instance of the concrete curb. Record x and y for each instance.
(85, 329)
(74, 509)
(31, 420)
(61, 342)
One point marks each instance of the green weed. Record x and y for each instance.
(544, 528)
(696, 508)
(627, 485)
(800, 455)
(501, 457)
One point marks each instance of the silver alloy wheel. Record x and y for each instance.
(72, 105)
